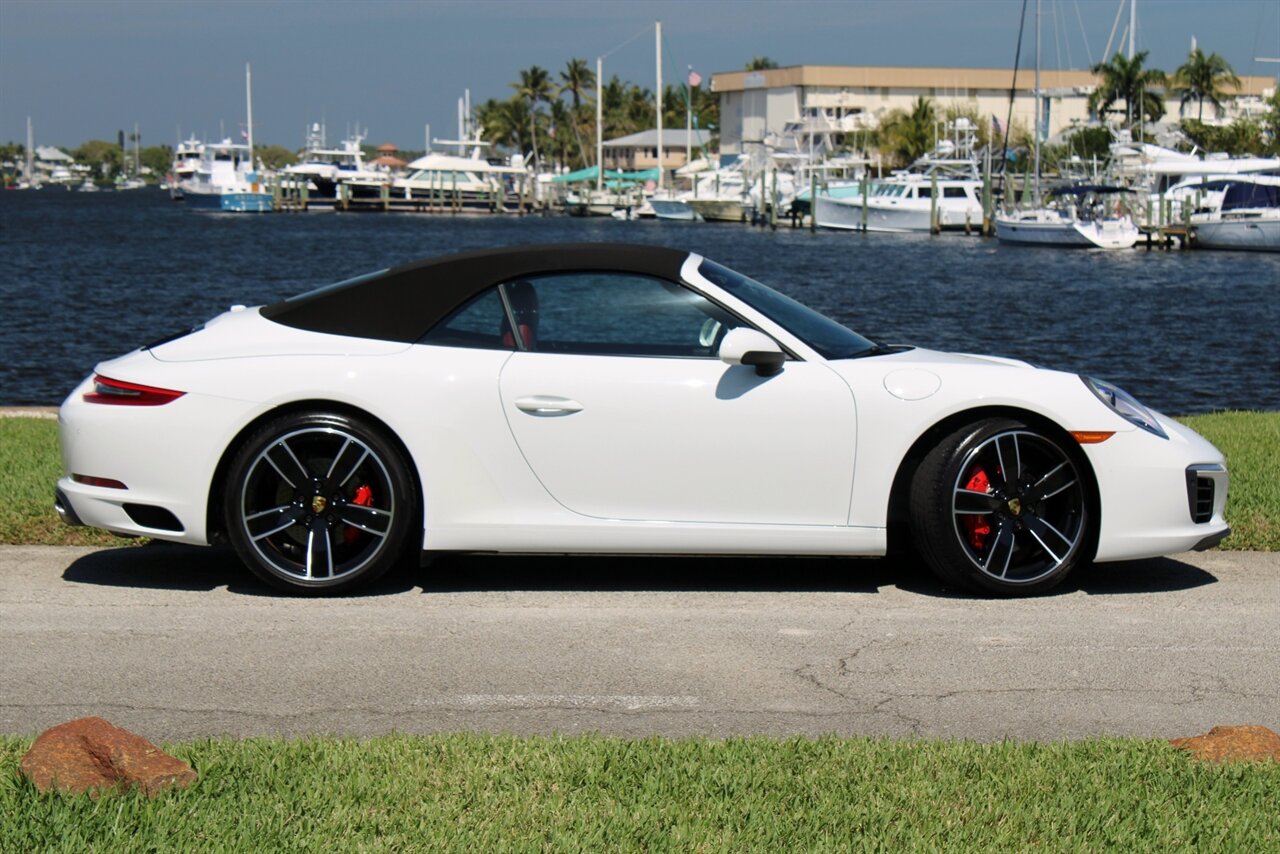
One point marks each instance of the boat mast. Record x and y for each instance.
(248, 104)
(1133, 24)
(31, 141)
(1039, 107)
(657, 30)
(599, 124)
(688, 118)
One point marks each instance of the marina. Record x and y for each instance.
(141, 267)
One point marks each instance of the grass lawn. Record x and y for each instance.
(500, 793)
(30, 464)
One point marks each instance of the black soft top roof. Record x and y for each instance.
(406, 301)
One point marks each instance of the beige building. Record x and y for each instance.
(639, 151)
(846, 99)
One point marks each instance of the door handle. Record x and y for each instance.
(546, 405)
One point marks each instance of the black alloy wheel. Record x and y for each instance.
(1001, 507)
(319, 503)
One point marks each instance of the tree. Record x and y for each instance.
(103, 158)
(761, 63)
(274, 156)
(907, 136)
(1126, 80)
(533, 88)
(575, 81)
(1203, 78)
(157, 158)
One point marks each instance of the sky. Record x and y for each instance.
(84, 69)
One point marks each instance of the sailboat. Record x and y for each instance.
(1085, 216)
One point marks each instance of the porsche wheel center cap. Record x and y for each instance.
(1015, 506)
(318, 504)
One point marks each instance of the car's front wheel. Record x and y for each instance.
(318, 502)
(1001, 507)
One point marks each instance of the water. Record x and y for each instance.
(91, 276)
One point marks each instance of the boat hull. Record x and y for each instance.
(718, 210)
(229, 202)
(674, 210)
(846, 213)
(1259, 234)
(1098, 234)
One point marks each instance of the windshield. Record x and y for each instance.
(828, 338)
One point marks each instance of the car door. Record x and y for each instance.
(621, 408)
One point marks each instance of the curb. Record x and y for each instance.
(29, 412)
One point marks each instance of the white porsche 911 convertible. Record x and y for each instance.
(614, 399)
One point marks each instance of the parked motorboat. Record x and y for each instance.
(472, 183)
(903, 203)
(674, 205)
(941, 190)
(186, 160)
(226, 180)
(324, 168)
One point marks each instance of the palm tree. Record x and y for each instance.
(909, 135)
(576, 80)
(761, 63)
(533, 88)
(1204, 77)
(1126, 80)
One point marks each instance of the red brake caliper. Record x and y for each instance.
(363, 497)
(977, 526)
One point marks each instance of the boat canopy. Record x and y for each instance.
(613, 177)
(588, 174)
(1241, 194)
(1086, 189)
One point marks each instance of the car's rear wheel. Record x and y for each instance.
(1001, 507)
(319, 502)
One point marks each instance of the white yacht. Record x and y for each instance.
(720, 195)
(942, 184)
(1089, 216)
(904, 202)
(226, 180)
(186, 160)
(326, 168)
(471, 183)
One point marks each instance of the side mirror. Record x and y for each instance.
(743, 346)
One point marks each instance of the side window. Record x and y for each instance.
(924, 192)
(480, 323)
(954, 193)
(616, 314)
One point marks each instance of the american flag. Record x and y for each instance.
(695, 79)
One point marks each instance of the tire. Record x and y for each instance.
(981, 529)
(318, 503)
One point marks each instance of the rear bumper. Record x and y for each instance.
(66, 512)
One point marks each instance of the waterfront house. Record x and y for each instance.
(639, 151)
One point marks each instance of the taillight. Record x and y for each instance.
(107, 390)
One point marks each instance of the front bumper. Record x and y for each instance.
(1148, 493)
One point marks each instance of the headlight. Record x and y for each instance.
(1125, 405)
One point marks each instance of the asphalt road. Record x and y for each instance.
(177, 643)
